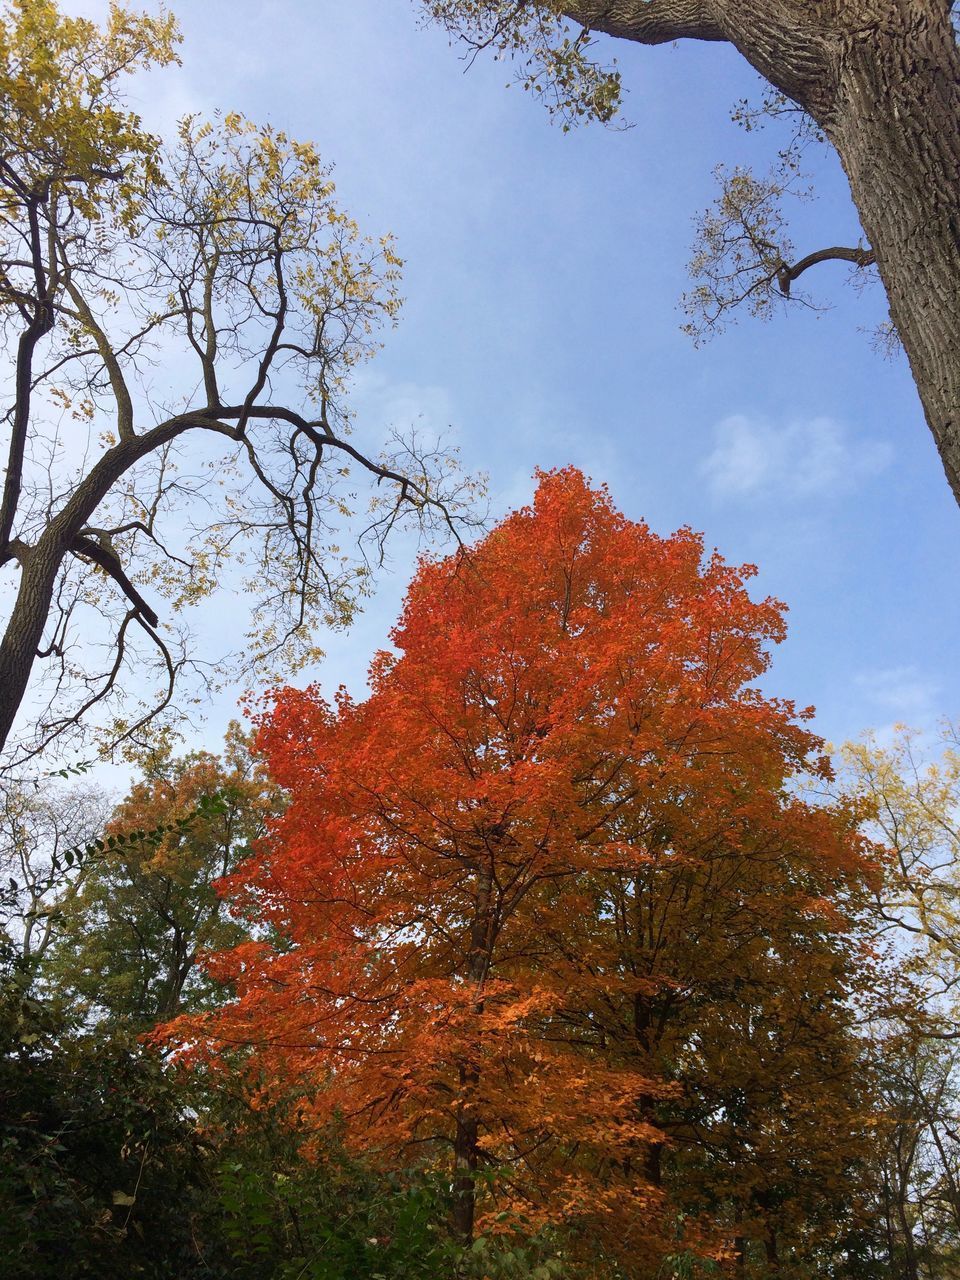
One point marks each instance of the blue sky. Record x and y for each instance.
(541, 328)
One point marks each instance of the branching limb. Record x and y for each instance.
(111, 362)
(411, 491)
(272, 286)
(743, 258)
(860, 257)
(41, 322)
(102, 554)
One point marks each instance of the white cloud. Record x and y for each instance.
(815, 458)
(902, 690)
(380, 406)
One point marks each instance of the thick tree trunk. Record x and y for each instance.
(896, 127)
(882, 79)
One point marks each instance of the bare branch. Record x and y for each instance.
(787, 274)
(102, 554)
(743, 258)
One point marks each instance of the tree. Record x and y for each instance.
(917, 1180)
(770, 1136)
(911, 805)
(128, 937)
(113, 1164)
(42, 828)
(101, 1168)
(546, 902)
(879, 80)
(182, 322)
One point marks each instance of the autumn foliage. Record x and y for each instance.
(128, 937)
(547, 908)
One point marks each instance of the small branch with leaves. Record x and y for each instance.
(743, 258)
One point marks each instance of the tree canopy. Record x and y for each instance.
(564, 951)
(183, 319)
(547, 908)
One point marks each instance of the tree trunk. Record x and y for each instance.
(466, 1151)
(465, 1162)
(41, 564)
(882, 79)
(772, 1251)
(896, 127)
(739, 1246)
(24, 631)
(904, 1165)
(653, 1151)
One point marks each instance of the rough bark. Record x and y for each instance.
(41, 564)
(896, 127)
(882, 79)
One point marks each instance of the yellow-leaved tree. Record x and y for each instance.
(910, 796)
(181, 322)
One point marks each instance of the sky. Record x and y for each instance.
(541, 328)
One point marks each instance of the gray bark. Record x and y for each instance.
(882, 80)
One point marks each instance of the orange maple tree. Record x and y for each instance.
(516, 882)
